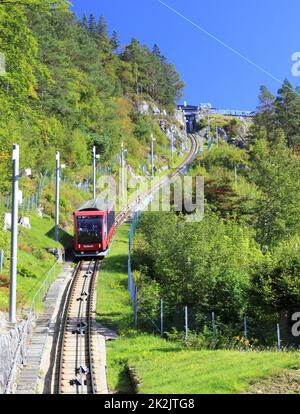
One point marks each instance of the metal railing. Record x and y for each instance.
(26, 325)
(41, 293)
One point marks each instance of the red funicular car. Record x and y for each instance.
(94, 224)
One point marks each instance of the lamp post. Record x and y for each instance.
(57, 181)
(217, 135)
(16, 174)
(95, 158)
(186, 132)
(14, 234)
(57, 188)
(123, 170)
(152, 155)
(208, 127)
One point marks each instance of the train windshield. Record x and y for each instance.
(89, 229)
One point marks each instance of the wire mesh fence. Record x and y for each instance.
(201, 327)
(132, 287)
(15, 342)
(26, 203)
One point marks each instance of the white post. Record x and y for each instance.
(278, 338)
(162, 318)
(122, 171)
(186, 132)
(186, 324)
(14, 234)
(94, 173)
(152, 155)
(235, 175)
(208, 127)
(57, 196)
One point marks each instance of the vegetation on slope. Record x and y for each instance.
(242, 260)
(70, 85)
(159, 363)
(33, 259)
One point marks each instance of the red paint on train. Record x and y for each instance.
(94, 225)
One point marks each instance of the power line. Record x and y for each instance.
(235, 51)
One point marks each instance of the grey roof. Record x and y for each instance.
(99, 204)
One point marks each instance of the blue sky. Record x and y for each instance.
(267, 32)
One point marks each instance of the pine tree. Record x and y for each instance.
(102, 28)
(84, 22)
(287, 109)
(115, 42)
(92, 23)
(265, 117)
(156, 51)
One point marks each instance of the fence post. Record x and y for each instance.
(245, 328)
(214, 329)
(186, 324)
(162, 318)
(278, 338)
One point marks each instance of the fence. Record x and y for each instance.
(28, 203)
(132, 288)
(41, 293)
(214, 333)
(14, 344)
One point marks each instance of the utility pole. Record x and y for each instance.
(123, 170)
(94, 172)
(57, 181)
(95, 158)
(208, 127)
(14, 234)
(186, 132)
(217, 134)
(152, 155)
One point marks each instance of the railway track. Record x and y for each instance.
(77, 373)
(77, 342)
(126, 213)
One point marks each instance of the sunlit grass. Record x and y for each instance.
(163, 366)
(33, 261)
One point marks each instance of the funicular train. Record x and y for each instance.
(94, 225)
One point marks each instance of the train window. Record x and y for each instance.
(89, 229)
(111, 219)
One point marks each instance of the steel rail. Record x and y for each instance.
(63, 328)
(82, 362)
(86, 321)
(126, 212)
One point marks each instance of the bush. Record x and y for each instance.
(24, 272)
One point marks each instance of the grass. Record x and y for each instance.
(33, 260)
(163, 366)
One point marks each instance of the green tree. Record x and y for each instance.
(276, 172)
(115, 41)
(287, 108)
